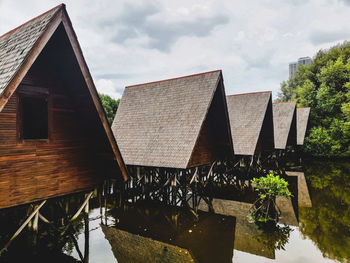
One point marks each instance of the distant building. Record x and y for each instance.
(293, 67)
(304, 61)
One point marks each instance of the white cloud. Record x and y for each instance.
(128, 42)
(106, 86)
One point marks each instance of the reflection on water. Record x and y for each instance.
(314, 226)
(327, 222)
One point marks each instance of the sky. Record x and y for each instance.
(128, 42)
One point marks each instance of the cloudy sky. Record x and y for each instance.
(129, 42)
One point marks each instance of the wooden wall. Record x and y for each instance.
(67, 162)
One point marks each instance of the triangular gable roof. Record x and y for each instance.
(284, 122)
(19, 49)
(247, 113)
(302, 120)
(159, 123)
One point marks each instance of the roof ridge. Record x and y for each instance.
(188, 76)
(15, 29)
(284, 102)
(248, 93)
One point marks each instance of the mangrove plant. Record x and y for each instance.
(264, 208)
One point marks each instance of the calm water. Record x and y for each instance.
(314, 227)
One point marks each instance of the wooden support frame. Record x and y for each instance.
(187, 187)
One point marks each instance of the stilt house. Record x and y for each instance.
(302, 120)
(251, 122)
(175, 123)
(54, 135)
(285, 124)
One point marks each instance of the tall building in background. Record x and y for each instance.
(293, 67)
(304, 61)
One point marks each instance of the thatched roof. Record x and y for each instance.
(284, 122)
(302, 120)
(21, 47)
(174, 123)
(128, 247)
(251, 121)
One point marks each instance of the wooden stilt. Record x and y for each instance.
(22, 226)
(43, 218)
(82, 206)
(35, 221)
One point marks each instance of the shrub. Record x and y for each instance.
(264, 208)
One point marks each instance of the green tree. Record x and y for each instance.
(110, 106)
(324, 86)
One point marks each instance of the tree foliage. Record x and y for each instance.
(324, 86)
(327, 222)
(269, 187)
(110, 106)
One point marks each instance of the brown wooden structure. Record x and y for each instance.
(171, 132)
(54, 135)
(175, 123)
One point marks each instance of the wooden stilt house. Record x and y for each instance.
(175, 123)
(54, 135)
(302, 120)
(285, 124)
(251, 122)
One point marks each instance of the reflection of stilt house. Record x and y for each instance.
(172, 131)
(245, 233)
(155, 235)
(54, 135)
(128, 247)
(302, 120)
(176, 123)
(303, 197)
(251, 122)
(284, 121)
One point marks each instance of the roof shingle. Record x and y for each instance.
(157, 124)
(284, 122)
(302, 120)
(247, 113)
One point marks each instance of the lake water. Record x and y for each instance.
(314, 227)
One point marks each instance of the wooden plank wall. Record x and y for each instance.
(31, 171)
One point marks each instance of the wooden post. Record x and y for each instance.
(35, 221)
(87, 207)
(82, 206)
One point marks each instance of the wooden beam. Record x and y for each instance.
(22, 226)
(82, 206)
(93, 92)
(32, 56)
